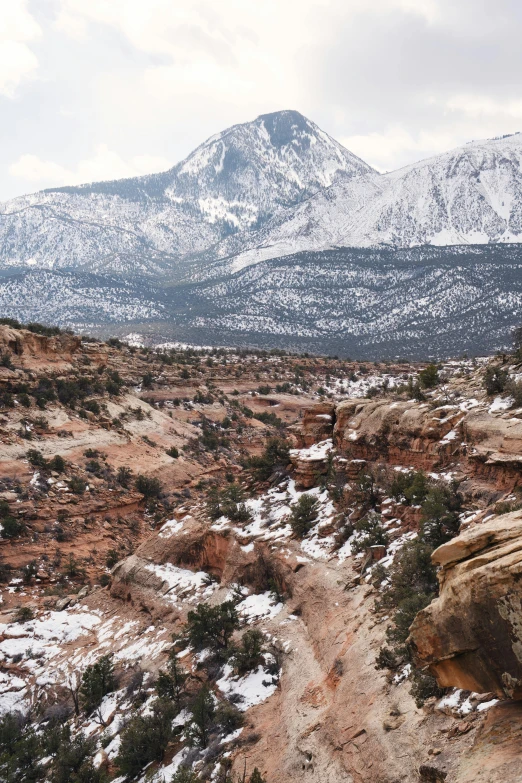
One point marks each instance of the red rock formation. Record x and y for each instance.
(471, 636)
(400, 432)
(317, 423)
(34, 348)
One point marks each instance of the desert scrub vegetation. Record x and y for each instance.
(10, 526)
(97, 681)
(228, 502)
(212, 627)
(495, 379)
(410, 583)
(150, 487)
(24, 746)
(367, 532)
(273, 462)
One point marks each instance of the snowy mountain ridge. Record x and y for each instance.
(470, 195)
(272, 233)
(234, 182)
(265, 189)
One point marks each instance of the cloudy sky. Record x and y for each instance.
(99, 89)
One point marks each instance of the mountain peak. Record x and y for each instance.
(235, 181)
(283, 127)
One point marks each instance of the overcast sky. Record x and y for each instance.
(99, 89)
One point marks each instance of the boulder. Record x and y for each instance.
(470, 637)
(63, 603)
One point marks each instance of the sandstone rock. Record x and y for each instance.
(318, 422)
(10, 497)
(471, 636)
(310, 463)
(402, 432)
(38, 348)
(494, 447)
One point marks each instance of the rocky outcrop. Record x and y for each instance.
(400, 432)
(24, 345)
(317, 424)
(494, 447)
(310, 464)
(143, 578)
(471, 636)
(484, 445)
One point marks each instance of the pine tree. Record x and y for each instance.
(97, 682)
(203, 711)
(171, 684)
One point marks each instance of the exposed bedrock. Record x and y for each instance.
(141, 579)
(401, 432)
(483, 445)
(317, 423)
(471, 636)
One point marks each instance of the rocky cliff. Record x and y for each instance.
(471, 636)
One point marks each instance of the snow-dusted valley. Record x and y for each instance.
(423, 302)
(192, 253)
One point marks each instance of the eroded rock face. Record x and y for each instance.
(401, 432)
(317, 424)
(486, 445)
(145, 578)
(311, 463)
(495, 447)
(471, 636)
(38, 347)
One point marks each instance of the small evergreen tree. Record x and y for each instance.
(145, 739)
(202, 718)
(440, 515)
(72, 763)
(429, 377)
(185, 775)
(495, 379)
(249, 654)
(171, 684)
(97, 681)
(212, 626)
(275, 457)
(369, 531)
(304, 514)
(123, 477)
(148, 486)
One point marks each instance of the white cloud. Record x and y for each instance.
(386, 150)
(485, 106)
(103, 165)
(17, 61)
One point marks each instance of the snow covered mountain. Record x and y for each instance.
(265, 189)
(234, 182)
(272, 233)
(471, 195)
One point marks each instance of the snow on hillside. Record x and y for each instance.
(470, 195)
